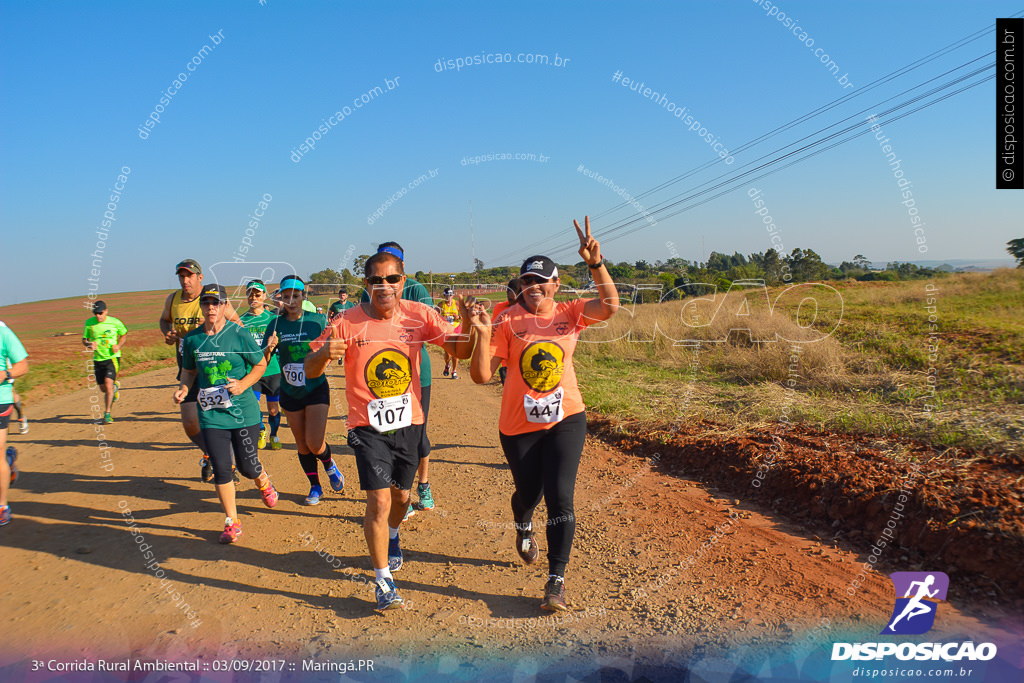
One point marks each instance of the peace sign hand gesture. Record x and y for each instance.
(590, 249)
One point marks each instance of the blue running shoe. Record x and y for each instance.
(336, 477)
(5, 519)
(315, 494)
(387, 595)
(394, 555)
(12, 456)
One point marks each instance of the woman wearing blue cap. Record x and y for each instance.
(304, 400)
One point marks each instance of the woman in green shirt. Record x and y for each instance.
(226, 361)
(304, 400)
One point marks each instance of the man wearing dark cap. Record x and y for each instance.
(104, 336)
(180, 316)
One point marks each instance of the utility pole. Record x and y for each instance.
(472, 237)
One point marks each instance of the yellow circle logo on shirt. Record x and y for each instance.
(388, 373)
(542, 364)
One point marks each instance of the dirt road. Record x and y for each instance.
(76, 582)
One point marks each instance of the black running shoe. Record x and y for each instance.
(526, 546)
(554, 595)
(206, 473)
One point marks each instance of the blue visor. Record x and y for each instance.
(393, 251)
(292, 284)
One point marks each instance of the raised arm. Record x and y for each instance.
(607, 301)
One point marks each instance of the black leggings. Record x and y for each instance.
(545, 463)
(247, 459)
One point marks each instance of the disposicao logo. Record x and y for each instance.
(917, 597)
(914, 613)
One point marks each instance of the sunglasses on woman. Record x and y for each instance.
(531, 280)
(392, 279)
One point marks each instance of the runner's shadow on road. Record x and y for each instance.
(112, 444)
(64, 420)
(462, 445)
(492, 465)
(500, 606)
(116, 549)
(175, 495)
(153, 416)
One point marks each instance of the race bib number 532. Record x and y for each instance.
(544, 410)
(214, 397)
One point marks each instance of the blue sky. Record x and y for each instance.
(79, 79)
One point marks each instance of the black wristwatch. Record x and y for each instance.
(596, 265)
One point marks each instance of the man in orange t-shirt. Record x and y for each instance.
(543, 425)
(381, 342)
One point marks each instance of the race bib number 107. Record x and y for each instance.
(387, 414)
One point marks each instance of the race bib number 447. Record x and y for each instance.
(544, 410)
(387, 414)
(214, 397)
(294, 374)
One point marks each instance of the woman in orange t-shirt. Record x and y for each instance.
(543, 425)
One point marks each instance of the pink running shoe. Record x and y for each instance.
(269, 495)
(232, 530)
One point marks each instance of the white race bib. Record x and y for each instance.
(214, 397)
(387, 414)
(294, 374)
(544, 410)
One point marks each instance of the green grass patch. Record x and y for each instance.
(55, 377)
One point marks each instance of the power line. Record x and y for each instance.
(566, 248)
(806, 117)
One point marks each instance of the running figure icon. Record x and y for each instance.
(915, 608)
(916, 602)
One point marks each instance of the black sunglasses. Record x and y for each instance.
(392, 279)
(531, 280)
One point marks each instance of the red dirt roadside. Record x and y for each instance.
(76, 583)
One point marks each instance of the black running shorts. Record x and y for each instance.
(384, 460)
(320, 395)
(105, 368)
(269, 386)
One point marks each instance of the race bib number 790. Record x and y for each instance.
(544, 410)
(214, 397)
(294, 374)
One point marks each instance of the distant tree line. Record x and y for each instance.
(679, 277)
